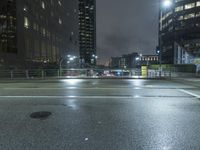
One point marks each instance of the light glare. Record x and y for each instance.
(72, 81)
(167, 3)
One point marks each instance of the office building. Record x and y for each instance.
(130, 60)
(179, 32)
(116, 62)
(87, 32)
(37, 32)
(126, 61)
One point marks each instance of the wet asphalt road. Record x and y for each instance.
(99, 115)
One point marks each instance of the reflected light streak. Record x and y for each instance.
(72, 81)
(72, 104)
(137, 83)
(166, 148)
(137, 96)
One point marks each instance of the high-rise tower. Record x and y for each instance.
(87, 32)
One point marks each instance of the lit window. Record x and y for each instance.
(59, 2)
(179, 8)
(2, 16)
(169, 21)
(43, 5)
(43, 32)
(188, 16)
(198, 3)
(60, 21)
(180, 18)
(26, 22)
(190, 5)
(92, 7)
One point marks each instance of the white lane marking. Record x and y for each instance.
(91, 97)
(88, 88)
(190, 93)
(69, 88)
(79, 97)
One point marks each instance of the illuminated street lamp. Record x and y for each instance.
(69, 59)
(137, 58)
(94, 59)
(167, 3)
(137, 61)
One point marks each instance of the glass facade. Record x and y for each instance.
(37, 31)
(180, 29)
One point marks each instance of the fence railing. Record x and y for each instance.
(90, 73)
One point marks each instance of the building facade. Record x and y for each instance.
(130, 60)
(125, 61)
(179, 32)
(37, 32)
(146, 60)
(117, 62)
(87, 32)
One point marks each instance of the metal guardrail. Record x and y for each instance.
(92, 73)
(84, 73)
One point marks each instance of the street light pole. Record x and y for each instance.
(160, 41)
(71, 58)
(160, 64)
(60, 66)
(164, 4)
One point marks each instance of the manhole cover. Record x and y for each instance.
(40, 115)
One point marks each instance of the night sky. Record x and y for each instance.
(126, 26)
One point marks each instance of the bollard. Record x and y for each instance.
(11, 74)
(27, 74)
(42, 74)
(58, 73)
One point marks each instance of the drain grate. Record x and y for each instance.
(40, 115)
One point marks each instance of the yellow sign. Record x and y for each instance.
(144, 71)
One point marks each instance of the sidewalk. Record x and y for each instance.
(190, 81)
